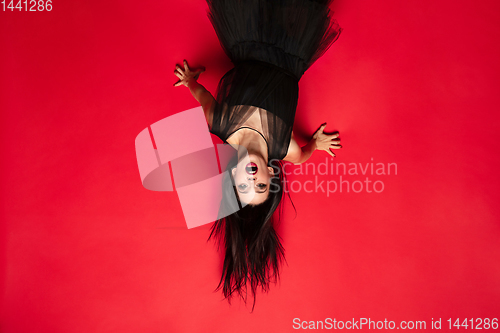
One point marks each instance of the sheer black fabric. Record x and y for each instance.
(271, 43)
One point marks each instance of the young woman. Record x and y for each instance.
(271, 44)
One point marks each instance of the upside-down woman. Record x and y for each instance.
(271, 44)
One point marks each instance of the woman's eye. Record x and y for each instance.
(261, 185)
(242, 186)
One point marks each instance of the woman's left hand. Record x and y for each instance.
(326, 141)
(186, 74)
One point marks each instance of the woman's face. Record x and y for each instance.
(252, 177)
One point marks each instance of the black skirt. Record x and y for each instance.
(271, 43)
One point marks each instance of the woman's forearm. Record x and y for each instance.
(307, 151)
(202, 95)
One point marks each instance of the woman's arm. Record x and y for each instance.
(204, 97)
(320, 141)
(297, 154)
(189, 79)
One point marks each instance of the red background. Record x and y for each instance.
(85, 248)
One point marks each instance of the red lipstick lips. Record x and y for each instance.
(251, 168)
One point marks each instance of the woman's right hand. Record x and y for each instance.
(186, 74)
(326, 142)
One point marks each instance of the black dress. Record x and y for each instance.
(271, 44)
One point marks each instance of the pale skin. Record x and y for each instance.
(254, 189)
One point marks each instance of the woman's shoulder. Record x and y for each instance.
(294, 151)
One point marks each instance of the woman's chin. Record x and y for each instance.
(257, 159)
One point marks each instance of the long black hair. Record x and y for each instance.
(253, 253)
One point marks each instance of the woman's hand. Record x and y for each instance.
(326, 141)
(186, 74)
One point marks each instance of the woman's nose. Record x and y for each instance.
(251, 177)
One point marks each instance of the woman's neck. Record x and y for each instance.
(252, 141)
